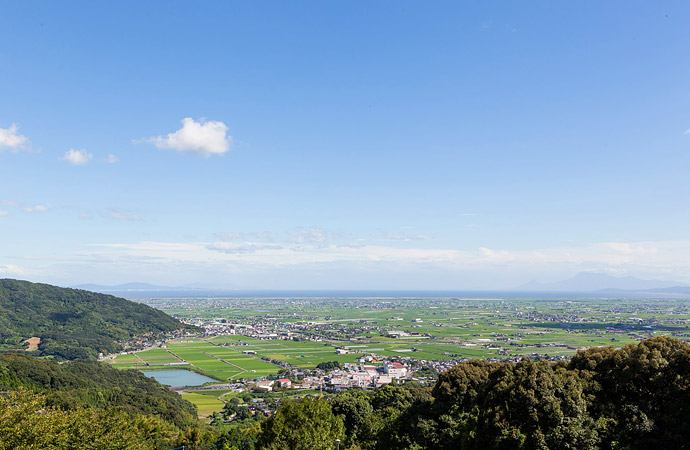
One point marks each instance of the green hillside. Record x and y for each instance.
(72, 323)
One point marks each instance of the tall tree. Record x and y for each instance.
(302, 425)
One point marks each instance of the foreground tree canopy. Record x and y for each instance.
(302, 425)
(636, 397)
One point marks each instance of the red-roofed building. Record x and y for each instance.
(284, 383)
(395, 370)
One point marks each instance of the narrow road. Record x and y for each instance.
(175, 355)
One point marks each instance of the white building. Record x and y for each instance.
(265, 385)
(395, 370)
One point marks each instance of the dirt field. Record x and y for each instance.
(33, 343)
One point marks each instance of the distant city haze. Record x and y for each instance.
(346, 146)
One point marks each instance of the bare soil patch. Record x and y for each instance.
(33, 343)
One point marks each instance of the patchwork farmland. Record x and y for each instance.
(311, 330)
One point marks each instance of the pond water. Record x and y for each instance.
(178, 377)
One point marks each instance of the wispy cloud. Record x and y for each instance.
(12, 140)
(314, 235)
(201, 138)
(241, 247)
(77, 157)
(397, 264)
(36, 209)
(112, 159)
(11, 269)
(118, 215)
(664, 259)
(408, 237)
(4, 213)
(265, 236)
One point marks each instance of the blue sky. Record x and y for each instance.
(360, 145)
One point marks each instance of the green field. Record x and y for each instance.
(448, 328)
(205, 404)
(157, 356)
(222, 363)
(127, 362)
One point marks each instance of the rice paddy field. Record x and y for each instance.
(427, 329)
(206, 404)
(221, 363)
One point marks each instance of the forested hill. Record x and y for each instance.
(72, 323)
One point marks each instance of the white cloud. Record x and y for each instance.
(112, 159)
(77, 157)
(408, 237)
(303, 265)
(11, 269)
(266, 236)
(687, 132)
(10, 138)
(241, 247)
(200, 138)
(629, 249)
(4, 213)
(117, 215)
(310, 235)
(36, 209)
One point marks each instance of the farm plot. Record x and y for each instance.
(206, 404)
(233, 338)
(126, 362)
(196, 355)
(302, 354)
(157, 356)
(222, 362)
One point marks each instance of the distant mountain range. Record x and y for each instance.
(599, 282)
(585, 282)
(133, 287)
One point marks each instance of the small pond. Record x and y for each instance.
(178, 377)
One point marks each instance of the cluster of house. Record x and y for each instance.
(271, 328)
(365, 376)
(349, 376)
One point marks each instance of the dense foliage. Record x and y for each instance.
(85, 404)
(636, 397)
(73, 324)
(318, 427)
(90, 384)
(27, 421)
(328, 365)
